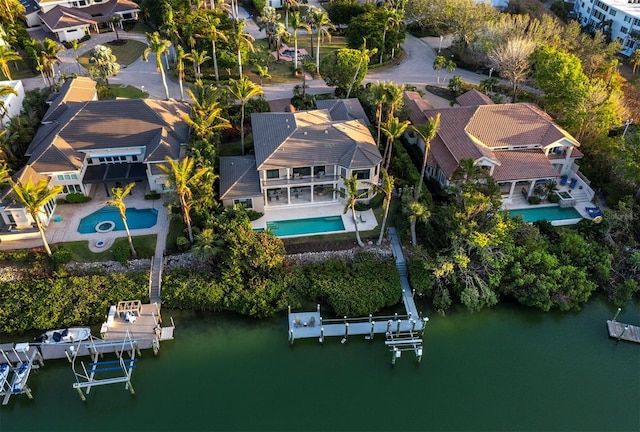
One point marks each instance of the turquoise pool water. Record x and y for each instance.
(107, 217)
(317, 225)
(546, 213)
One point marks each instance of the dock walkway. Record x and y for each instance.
(401, 331)
(622, 331)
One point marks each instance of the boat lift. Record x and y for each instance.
(27, 359)
(91, 374)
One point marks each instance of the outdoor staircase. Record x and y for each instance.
(402, 268)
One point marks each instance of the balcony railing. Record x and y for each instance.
(300, 180)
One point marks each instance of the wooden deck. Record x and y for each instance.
(622, 331)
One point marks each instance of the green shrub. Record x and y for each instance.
(61, 255)
(553, 197)
(254, 215)
(183, 244)
(76, 198)
(533, 199)
(153, 195)
(259, 4)
(121, 253)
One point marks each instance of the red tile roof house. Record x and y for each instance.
(72, 19)
(298, 156)
(84, 143)
(518, 144)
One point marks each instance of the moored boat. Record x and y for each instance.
(71, 334)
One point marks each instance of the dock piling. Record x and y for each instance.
(615, 317)
(626, 327)
(373, 324)
(321, 334)
(81, 394)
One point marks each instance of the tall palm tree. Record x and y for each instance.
(206, 123)
(115, 23)
(244, 90)
(391, 19)
(75, 46)
(322, 25)
(213, 33)
(7, 55)
(351, 195)
(34, 198)
(386, 187)
(426, 132)
(103, 63)
(289, 5)
(117, 201)
(180, 57)
(267, 21)
(297, 23)
(394, 97)
(417, 212)
(243, 40)
(279, 32)
(198, 58)
(157, 46)
(393, 129)
(379, 93)
(5, 91)
(182, 176)
(49, 58)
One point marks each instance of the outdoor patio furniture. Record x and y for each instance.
(57, 218)
(563, 180)
(573, 183)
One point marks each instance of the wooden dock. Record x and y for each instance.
(622, 331)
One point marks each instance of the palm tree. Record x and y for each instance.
(393, 129)
(75, 46)
(387, 186)
(292, 5)
(181, 177)
(7, 156)
(322, 25)
(394, 97)
(267, 21)
(263, 72)
(4, 92)
(206, 123)
(467, 170)
(49, 58)
(4, 174)
(634, 59)
(243, 90)
(391, 19)
(158, 46)
(180, 57)
(438, 64)
(117, 201)
(242, 40)
(351, 195)
(417, 212)
(115, 22)
(279, 32)
(212, 32)
(198, 58)
(297, 24)
(427, 132)
(104, 63)
(34, 198)
(7, 55)
(379, 93)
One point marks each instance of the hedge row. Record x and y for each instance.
(62, 302)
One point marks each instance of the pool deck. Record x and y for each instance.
(518, 202)
(67, 228)
(367, 223)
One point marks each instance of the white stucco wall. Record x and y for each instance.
(12, 103)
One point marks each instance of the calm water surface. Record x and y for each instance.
(507, 369)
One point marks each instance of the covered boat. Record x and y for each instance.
(71, 334)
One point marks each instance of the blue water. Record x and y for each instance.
(136, 219)
(317, 225)
(546, 213)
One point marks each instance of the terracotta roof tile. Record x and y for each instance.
(523, 165)
(473, 98)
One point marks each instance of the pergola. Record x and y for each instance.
(115, 173)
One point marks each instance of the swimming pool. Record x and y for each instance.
(108, 219)
(546, 213)
(317, 225)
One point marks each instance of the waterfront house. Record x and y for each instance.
(84, 143)
(518, 144)
(72, 19)
(298, 158)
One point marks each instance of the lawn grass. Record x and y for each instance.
(145, 247)
(127, 92)
(125, 54)
(177, 229)
(19, 70)
(235, 148)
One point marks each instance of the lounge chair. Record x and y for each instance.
(594, 212)
(563, 180)
(361, 219)
(297, 322)
(573, 183)
(312, 321)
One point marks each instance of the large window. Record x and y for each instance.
(363, 193)
(246, 202)
(302, 171)
(273, 174)
(71, 189)
(362, 174)
(319, 171)
(69, 176)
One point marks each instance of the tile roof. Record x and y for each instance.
(80, 89)
(523, 165)
(473, 98)
(344, 109)
(83, 126)
(30, 6)
(61, 17)
(416, 105)
(311, 138)
(239, 177)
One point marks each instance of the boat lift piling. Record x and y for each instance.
(21, 371)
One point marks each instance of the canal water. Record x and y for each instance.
(505, 369)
